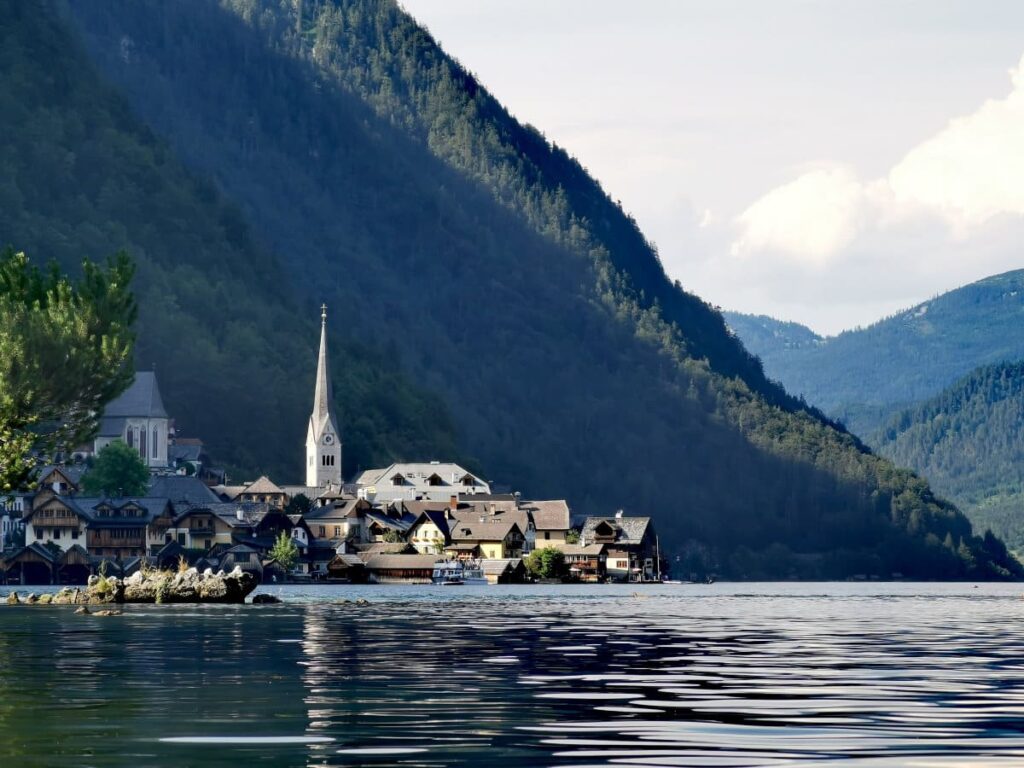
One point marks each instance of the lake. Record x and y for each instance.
(868, 674)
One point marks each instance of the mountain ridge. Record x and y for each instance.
(864, 376)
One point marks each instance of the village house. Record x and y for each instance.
(429, 481)
(485, 540)
(587, 564)
(551, 522)
(340, 522)
(631, 546)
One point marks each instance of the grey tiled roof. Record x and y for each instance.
(629, 530)
(549, 515)
(465, 530)
(182, 488)
(141, 399)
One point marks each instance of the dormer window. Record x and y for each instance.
(398, 479)
(435, 479)
(468, 480)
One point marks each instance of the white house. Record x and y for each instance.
(427, 481)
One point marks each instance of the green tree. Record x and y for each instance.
(285, 551)
(65, 352)
(118, 471)
(298, 505)
(546, 563)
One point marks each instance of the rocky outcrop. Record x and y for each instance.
(152, 586)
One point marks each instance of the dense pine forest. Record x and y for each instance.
(969, 442)
(489, 302)
(865, 376)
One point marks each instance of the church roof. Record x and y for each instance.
(141, 399)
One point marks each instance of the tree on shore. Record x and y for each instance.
(285, 552)
(118, 471)
(546, 563)
(65, 352)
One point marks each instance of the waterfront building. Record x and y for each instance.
(114, 528)
(631, 546)
(551, 522)
(406, 569)
(486, 540)
(586, 563)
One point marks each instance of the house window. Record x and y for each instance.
(181, 539)
(130, 437)
(39, 533)
(337, 531)
(56, 533)
(74, 533)
(547, 534)
(156, 453)
(323, 531)
(142, 443)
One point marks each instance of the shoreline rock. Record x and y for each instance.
(151, 586)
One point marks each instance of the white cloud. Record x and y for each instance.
(809, 219)
(968, 173)
(974, 168)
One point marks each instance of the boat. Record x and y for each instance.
(448, 573)
(472, 573)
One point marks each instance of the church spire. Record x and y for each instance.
(323, 439)
(323, 410)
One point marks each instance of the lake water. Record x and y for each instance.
(684, 675)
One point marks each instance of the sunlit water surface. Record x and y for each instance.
(685, 675)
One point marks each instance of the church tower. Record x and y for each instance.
(323, 438)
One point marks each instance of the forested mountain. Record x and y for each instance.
(484, 291)
(864, 376)
(80, 177)
(767, 337)
(969, 441)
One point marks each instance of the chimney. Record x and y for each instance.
(239, 514)
(493, 508)
(453, 502)
(618, 515)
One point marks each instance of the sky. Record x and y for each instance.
(824, 162)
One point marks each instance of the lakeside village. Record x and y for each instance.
(420, 523)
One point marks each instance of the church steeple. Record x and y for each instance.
(323, 438)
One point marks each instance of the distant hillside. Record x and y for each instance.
(766, 337)
(488, 298)
(969, 442)
(864, 376)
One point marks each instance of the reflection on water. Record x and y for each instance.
(722, 675)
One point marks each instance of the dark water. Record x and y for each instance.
(723, 675)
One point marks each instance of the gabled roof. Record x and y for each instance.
(549, 515)
(151, 506)
(628, 530)
(465, 530)
(141, 400)
(418, 473)
(263, 485)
